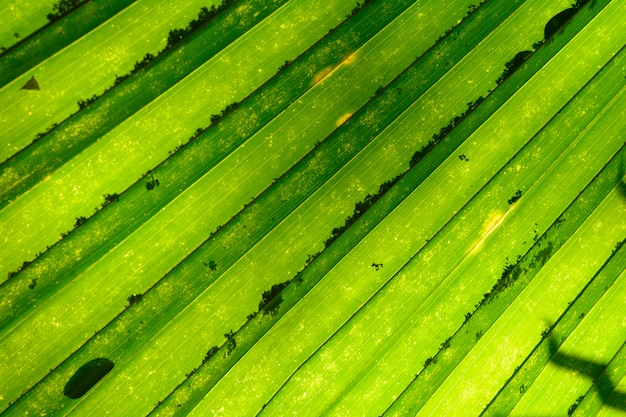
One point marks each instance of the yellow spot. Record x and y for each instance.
(490, 224)
(349, 59)
(243, 8)
(343, 119)
(326, 72)
(322, 75)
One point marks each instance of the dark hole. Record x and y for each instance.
(86, 377)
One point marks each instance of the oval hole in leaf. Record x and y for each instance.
(86, 377)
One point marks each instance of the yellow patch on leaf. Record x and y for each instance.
(343, 119)
(491, 223)
(322, 75)
(326, 72)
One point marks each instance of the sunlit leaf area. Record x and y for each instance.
(313, 208)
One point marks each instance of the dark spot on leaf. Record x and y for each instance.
(516, 196)
(152, 183)
(134, 299)
(86, 377)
